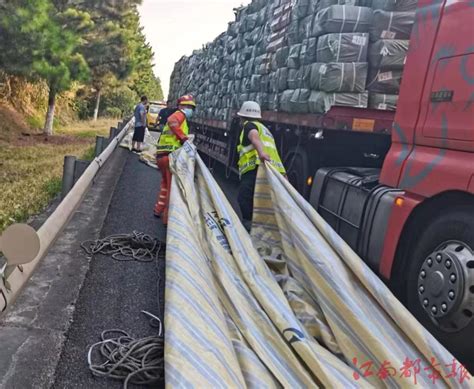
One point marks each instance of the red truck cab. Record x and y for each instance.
(417, 228)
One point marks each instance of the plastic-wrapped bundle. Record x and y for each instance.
(281, 80)
(303, 77)
(392, 25)
(294, 78)
(282, 17)
(395, 5)
(342, 18)
(299, 101)
(327, 3)
(305, 27)
(387, 82)
(285, 100)
(339, 77)
(383, 101)
(388, 53)
(321, 102)
(281, 57)
(276, 44)
(255, 83)
(249, 67)
(292, 32)
(308, 51)
(301, 8)
(273, 101)
(265, 86)
(346, 47)
(294, 57)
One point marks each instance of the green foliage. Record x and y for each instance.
(97, 43)
(53, 187)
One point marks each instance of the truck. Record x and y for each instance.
(397, 186)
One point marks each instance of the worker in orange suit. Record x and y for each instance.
(174, 134)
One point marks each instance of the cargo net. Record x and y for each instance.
(301, 57)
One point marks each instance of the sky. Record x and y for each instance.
(177, 27)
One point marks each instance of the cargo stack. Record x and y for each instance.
(340, 75)
(389, 36)
(301, 56)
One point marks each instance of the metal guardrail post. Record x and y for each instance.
(99, 145)
(68, 174)
(113, 132)
(79, 169)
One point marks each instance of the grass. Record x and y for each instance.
(88, 129)
(31, 176)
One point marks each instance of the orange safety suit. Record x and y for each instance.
(175, 123)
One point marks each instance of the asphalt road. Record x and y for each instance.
(114, 293)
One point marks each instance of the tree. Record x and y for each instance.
(142, 80)
(105, 46)
(41, 40)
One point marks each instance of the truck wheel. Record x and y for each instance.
(296, 164)
(440, 287)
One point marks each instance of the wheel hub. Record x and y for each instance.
(446, 286)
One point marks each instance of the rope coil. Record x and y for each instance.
(135, 361)
(118, 355)
(136, 246)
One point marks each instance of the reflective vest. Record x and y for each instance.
(249, 159)
(168, 141)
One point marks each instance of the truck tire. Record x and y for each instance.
(296, 163)
(444, 303)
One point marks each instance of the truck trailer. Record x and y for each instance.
(398, 186)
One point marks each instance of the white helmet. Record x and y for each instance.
(250, 109)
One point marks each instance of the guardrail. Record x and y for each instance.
(24, 249)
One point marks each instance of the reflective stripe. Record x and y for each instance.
(249, 160)
(168, 141)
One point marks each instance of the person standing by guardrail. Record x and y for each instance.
(256, 145)
(174, 134)
(140, 125)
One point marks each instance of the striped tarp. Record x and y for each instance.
(292, 306)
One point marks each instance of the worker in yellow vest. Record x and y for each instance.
(256, 146)
(174, 134)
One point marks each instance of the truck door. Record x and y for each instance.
(442, 158)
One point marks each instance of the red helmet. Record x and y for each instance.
(187, 100)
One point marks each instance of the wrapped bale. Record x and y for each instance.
(305, 28)
(281, 57)
(308, 51)
(293, 61)
(395, 5)
(388, 54)
(392, 25)
(339, 77)
(327, 3)
(301, 8)
(346, 47)
(294, 76)
(255, 83)
(299, 101)
(321, 102)
(282, 76)
(303, 77)
(387, 82)
(292, 32)
(383, 102)
(273, 102)
(342, 18)
(285, 100)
